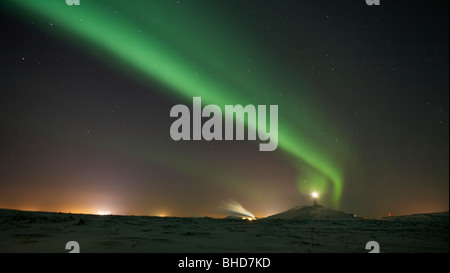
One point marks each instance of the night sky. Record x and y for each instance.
(86, 93)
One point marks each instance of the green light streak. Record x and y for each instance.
(191, 56)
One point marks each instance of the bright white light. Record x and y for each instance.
(104, 212)
(233, 208)
(315, 195)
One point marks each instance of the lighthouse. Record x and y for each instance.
(315, 196)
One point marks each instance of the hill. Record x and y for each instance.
(315, 212)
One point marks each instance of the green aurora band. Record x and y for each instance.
(193, 49)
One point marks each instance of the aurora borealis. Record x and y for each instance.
(363, 106)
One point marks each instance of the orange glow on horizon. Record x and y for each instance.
(94, 209)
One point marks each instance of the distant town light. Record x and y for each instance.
(104, 212)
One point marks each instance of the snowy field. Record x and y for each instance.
(22, 231)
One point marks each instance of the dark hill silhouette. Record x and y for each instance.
(315, 212)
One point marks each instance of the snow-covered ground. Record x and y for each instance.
(22, 231)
